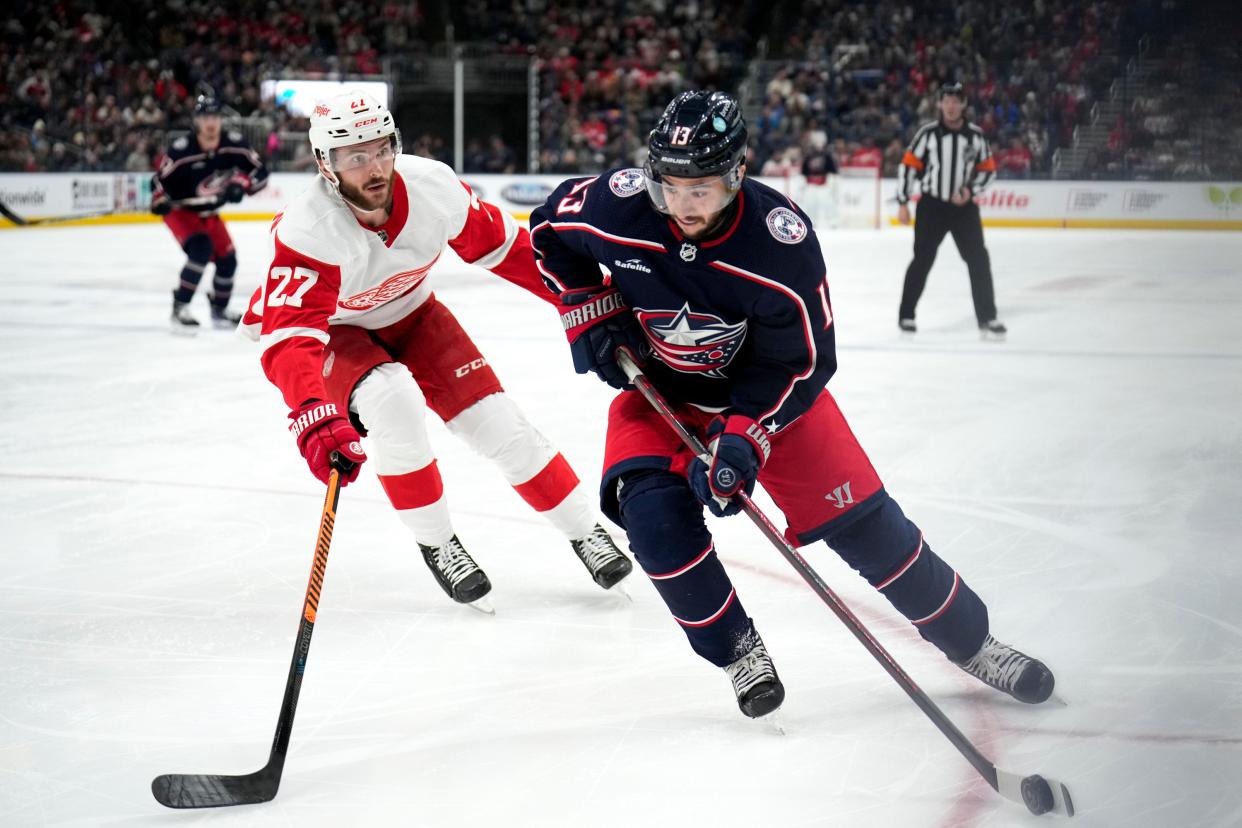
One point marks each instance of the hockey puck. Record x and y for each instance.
(1037, 794)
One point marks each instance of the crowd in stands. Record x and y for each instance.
(95, 84)
(607, 69)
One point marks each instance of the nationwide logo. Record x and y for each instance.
(526, 192)
(632, 264)
(692, 342)
(390, 289)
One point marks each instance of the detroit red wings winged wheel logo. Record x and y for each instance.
(391, 288)
(692, 342)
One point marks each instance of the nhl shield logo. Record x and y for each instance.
(688, 252)
(785, 225)
(626, 183)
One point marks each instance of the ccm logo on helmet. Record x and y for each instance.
(358, 124)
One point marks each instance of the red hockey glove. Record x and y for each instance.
(739, 448)
(320, 430)
(597, 322)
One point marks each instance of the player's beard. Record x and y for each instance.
(703, 227)
(369, 196)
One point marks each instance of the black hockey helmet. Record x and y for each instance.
(206, 105)
(700, 134)
(953, 88)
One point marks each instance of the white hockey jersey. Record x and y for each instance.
(329, 269)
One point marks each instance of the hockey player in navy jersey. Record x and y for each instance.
(198, 174)
(719, 284)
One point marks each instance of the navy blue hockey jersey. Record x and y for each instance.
(740, 323)
(187, 171)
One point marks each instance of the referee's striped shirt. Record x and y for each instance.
(944, 160)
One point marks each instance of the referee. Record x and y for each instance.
(951, 160)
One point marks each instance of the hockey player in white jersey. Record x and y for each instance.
(357, 342)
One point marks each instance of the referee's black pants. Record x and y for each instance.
(935, 219)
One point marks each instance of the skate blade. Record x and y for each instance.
(182, 331)
(622, 593)
(483, 605)
(774, 722)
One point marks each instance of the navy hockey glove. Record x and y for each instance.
(739, 449)
(597, 322)
(321, 431)
(161, 206)
(234, 192)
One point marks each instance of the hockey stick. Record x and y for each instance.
(1038, 794)
(22, 221)
(178, 790)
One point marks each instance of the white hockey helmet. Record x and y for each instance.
(347, 119)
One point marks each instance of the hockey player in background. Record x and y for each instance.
(356, 341)
(197, 175)
(720, 281)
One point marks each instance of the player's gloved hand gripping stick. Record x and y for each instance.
(1040, 795)
(177, 790)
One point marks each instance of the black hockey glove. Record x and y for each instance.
(597, 322)
(234, 192)
(161, 206)
(739, 448)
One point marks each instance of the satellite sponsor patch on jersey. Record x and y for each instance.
(785, 225)
(626, 183)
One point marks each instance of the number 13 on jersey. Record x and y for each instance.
(300, 279)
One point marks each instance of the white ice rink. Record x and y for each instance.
(158, 525)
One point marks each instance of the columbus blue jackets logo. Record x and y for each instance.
(626, 183)
(696, 343)
(786, 226)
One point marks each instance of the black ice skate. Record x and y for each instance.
(182, 322)
(907, 325)
(994, 330)
(1001, 666)
(224, 319)
(606, 563)
(759, 690)
(456, 572)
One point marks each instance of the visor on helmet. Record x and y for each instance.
(702, 196)
(357, 156)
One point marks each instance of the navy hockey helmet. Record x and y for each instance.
(206, 105)
(700, 135)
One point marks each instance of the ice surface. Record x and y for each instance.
(159, 523)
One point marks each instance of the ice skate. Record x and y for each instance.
(182, 322)
(907, 326)
(994, 331)
(759, 690)
(1004, 668)
(606, 563)
(223, 319)
(455, 571)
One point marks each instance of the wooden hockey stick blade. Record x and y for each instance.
(180, 790)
